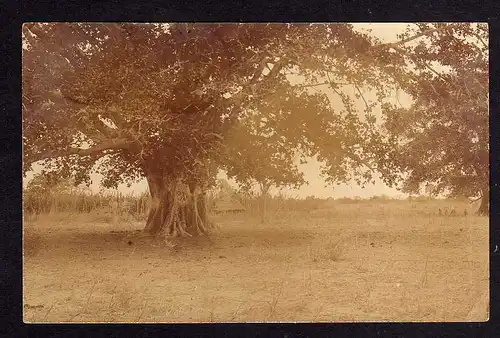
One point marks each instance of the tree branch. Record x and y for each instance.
(414, 37)
(258, 71)
(477, 199)
(322, 84)
(485, 45)
(331, 83)
(29, 35)
(104, 129)
(277, 66)
(414, 59)
(114, 144)
(362, 96)
(249, 88)
(111, 111)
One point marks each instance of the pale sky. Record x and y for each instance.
(387, 32)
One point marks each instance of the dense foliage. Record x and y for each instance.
(443, 137)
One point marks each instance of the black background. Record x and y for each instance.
(14, 13)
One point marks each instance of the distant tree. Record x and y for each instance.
(430, 190)
(443, 137)
(223, 187)
(256, 159)
(258, 156)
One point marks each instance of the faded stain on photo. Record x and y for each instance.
(187, 173)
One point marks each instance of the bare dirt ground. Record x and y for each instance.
(396, 261)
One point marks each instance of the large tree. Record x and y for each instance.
(174, 103)
(162, 101)
(442, 138)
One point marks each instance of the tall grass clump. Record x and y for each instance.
(42, 197)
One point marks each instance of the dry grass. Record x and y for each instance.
(329, 261)
(49, 202)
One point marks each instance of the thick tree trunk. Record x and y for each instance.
(176, 210)
(264, 190)
(484, 208)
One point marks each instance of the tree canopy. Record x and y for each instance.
(442, 138)
(141, 92)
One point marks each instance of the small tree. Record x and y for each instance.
(258, 156)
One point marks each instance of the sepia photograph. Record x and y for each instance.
(255, 172)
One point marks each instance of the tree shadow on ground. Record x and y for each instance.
(105, 244)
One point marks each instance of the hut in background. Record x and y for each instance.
(226, 200)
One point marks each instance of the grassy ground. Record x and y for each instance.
(366, 261)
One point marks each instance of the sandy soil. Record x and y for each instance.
(396, 261)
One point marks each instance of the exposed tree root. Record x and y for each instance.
(178, 212)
